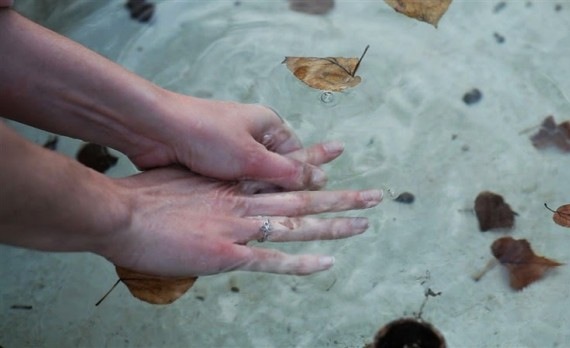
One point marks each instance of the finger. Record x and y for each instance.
(267, 260)
(276, 135)
(251, 187)
(310, 202)
(284, 172)
(318, 154)
(287, 229)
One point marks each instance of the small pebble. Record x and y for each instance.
(19, 306)
(472, 97)
(234, 289)
(405, 197)
(499, 38)
(51, 142)
(500, 6)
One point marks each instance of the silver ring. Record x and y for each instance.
(265, 229)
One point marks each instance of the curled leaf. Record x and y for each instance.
(561, 215)
(429, 11)
(327, 74)
(552, 134)
(493, 212)
(524, 266)
(154, 289)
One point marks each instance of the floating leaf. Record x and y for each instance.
(154, 289)
(429, 11)
(551, 134)
(315, 7)
(561, 215)
(327, 74)
(493, 212)
(523, 265)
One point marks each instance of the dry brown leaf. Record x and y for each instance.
(561, 215)
(154, 289)
(429, 11)
(328, 74)
(493, 212)
(552, 134)
(524, 266)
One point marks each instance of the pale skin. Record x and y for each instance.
(168, 220)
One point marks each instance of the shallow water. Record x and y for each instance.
(405, 127)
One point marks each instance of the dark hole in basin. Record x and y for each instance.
(408, 333)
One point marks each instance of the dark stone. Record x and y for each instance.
(472, 97)
(140, 10)
(96, 157)
(499, 7)
(499, 38)
(405, 197)
(51, 142)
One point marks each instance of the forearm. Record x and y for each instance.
(53, 83)
(53, 203)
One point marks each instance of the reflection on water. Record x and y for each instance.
(406, 127)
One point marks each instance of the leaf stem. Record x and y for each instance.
(360, 60)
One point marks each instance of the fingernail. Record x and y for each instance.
(372, 197)
(333, 147)
(360, 223)
(326, 261)
(318, 178)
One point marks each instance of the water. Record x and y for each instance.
(405, 127)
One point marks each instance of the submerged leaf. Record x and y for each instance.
(429, 11)
(524, 266)
(327, 74)
(561, 215)
(154, 289)
(551, 134)
(493, 212)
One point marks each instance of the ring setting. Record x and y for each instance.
(265, 230)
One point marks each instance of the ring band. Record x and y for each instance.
(265, 229)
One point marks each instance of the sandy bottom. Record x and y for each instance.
(405, 127)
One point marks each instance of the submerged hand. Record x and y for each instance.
(231, 141)
(187, 225)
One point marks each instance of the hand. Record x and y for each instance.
(187, 225)
(231, 141)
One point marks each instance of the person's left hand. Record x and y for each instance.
(231, 141)
(185, 225)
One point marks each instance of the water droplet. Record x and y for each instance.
(327, 97)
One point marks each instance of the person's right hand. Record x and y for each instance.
(226, 140)
(184, 225)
